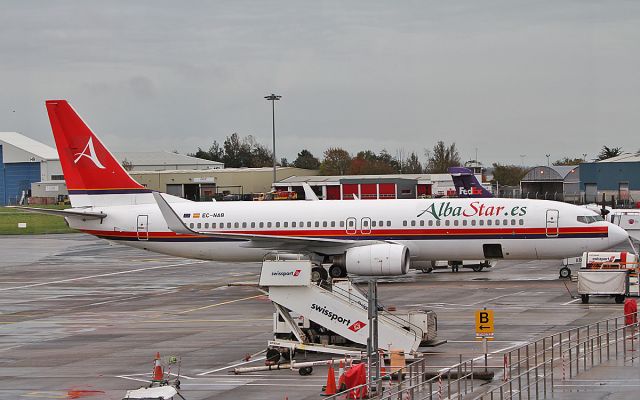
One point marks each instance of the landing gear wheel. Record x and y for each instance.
(336, 271)
(427, 270)
(565, 272)
(304, 371)
(585, 298)
(619, 298)
(477, 268)
(319, 274)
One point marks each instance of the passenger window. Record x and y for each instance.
(488, 222)
(388, 223)
(199, 225)
(253, 224)
(293, 224)
(437, 223)
(505, 222)
(497, 222)
(473, 222)
(278, 224)
(521, 222)
(236, 225)
(481, 222)
(404, 223)
(421, 222)
(213, 225)
(244, 224)
(324, 224)
(513, 222)
(285, 224)
(317, 224)
(456, 222)
(341, 224)
(413, 223)
(261, 224)
(229, 225)
(191, 225)
(308, 224)
(373, 224)
(206, 225)
(381, 224)
(447, 222)
(430, 223)
(333, 224)
(464, 222)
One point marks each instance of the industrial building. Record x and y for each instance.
(553, 182)
(367, 187)
(617, 176)
(204, 185)
(24, 161)
(163, 161)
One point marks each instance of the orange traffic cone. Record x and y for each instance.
(341, 368)
(330, 389)
(158, 374)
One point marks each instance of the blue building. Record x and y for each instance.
(618, 176)
(24, 161)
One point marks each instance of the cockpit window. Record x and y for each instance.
(589, 219)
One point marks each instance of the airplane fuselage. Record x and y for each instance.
(432, 229)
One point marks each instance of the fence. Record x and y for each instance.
(533, 370)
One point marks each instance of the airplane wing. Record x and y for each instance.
(325, 245)
(64, 213)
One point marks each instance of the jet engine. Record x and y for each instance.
(375, 259)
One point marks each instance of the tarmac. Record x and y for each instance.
(80, 317)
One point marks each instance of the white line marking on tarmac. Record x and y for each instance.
(100, 275)
(569, 302)
(496, 298)
(231, 366)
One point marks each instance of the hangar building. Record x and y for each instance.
(162, 161)
(24, 161)
(617, 176)
(553, 182)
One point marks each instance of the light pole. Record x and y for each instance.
(273, 97)
(548, 155)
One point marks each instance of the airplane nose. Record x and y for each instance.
(617, 235)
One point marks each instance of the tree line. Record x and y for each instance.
(237, 152)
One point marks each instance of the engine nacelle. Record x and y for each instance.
(376, 259)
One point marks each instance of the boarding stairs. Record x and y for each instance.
(339, 307)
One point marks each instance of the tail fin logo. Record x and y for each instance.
(90, 153)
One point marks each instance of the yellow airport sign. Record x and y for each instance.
(484, 324)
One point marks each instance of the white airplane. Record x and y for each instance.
(626, 218)
(364, 237)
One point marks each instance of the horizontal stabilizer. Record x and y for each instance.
(64, 213)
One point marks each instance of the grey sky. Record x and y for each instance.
(508, 77)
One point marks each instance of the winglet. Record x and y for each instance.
(174, 223)
(309, 194)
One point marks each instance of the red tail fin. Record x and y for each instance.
(87, 165)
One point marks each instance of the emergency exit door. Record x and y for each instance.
(552, 228)
(142, 227)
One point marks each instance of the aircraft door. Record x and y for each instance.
(142, 228)
(365, 225)
(351, 226)
(552, 227)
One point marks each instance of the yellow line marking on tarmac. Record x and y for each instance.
(220, 304)
(46, 395)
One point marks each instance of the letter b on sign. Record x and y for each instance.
(484, 324)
